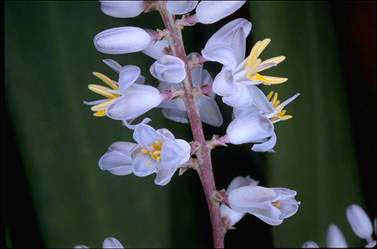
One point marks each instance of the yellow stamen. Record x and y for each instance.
(281, 113)
(267, 80)
(104, 91)
(106, 80)
(100, 113)
(269, 96)
(276, 204)
(155, 153)
(102, 106)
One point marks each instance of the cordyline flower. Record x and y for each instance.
(107, 243)
(125, 9)
(271, 205)
(227, 46)
(209, 111)
(361, 225)
(122, 98)
(156, 151)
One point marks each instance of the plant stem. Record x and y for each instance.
(203, 154)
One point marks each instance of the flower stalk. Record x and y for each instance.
(203, 154)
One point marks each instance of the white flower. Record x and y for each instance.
(271, 205)
(123, 97)
(252, 128)
(181, 7)
(209, 111)
(208, 12)
(169, 68)
(155, 152)
(122, 40)
(227, 46)
(230, 216)
(360, 223)
(122, 8)
(335, 237)
(107, 243)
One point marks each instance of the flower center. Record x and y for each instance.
(276, 204)
(155, 151)
(101, 109)
(281, 114)
(254, 65)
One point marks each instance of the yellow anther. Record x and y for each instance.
(104, 91)
(102, 106)
(155, 152)
(100, 113)
(276, 204)
(269, 96)
(275, 99)
(106, 80)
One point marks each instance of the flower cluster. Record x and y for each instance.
(158, 151)
(361, 225)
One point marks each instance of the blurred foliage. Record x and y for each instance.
(49, 57)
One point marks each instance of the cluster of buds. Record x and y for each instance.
(361, 225)
(158, 151)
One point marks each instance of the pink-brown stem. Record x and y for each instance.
(203, 154)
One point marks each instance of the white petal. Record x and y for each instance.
(208, 12)
(125, 148)
(241, 181)
(145, 135)
(310, 244)
(144, 165)
(111, 243)
(371, 244)
(166, 133)
(267, 213)
(260, 100)
(359, 221)
(250, 128)
(157, 49)
(176, 104)
(122, 40)
(335, 238)
(169, 68)
(175, 115)
(122, 8)
(243, 198)
(239, 112)
(239, 97)
(140, 80)
(209, 111)
(233, 216)
(206, 78)
(174, 153)
(117, 162)
(130, 106)
(288, 208)
(127, 76)
(284, 193)
(222, 54)
(181, 7)
(223, 83)
(164, 176)
(267, 145)
(113, 65)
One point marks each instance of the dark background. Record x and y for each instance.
(55, 195)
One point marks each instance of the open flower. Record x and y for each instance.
(122, 98)
(155, 152)
(227, 46)
(208, 109)
(218, 10)
(107, 243)
(271, 205)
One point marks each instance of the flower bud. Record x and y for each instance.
(112, 243)
(122, 40)
(208, 12)
(169, 68)
(122, 8)
(335, 238)
(310, 244)
(157, 49)
(359, 221)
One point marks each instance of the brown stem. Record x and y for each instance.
(203, 154)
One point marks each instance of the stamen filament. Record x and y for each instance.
(106, 80)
